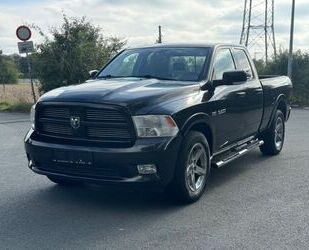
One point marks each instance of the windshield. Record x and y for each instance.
(179, 64)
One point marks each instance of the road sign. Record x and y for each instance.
(25, 47)
(23, 33)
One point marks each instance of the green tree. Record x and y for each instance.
(74, 49)
(8, 70)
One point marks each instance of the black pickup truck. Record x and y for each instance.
(160, 115)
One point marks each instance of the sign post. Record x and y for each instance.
(23, 33)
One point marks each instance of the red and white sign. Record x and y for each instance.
(23, 33)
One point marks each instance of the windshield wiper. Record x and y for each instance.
(110, 77)
(154, 77)
(143, 76)
(106, 77)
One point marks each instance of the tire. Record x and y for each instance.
(274, 137)
(62, 181)
(192, 170)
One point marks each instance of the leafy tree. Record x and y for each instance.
(74, 49)
(8, 70)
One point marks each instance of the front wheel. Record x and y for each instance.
(274, 137)
(192, 170)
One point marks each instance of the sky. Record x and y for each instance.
(137, 20)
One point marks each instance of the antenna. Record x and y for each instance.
(258, 32)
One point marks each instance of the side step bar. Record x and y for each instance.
(220, 161)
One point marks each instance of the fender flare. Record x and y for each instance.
(199, 118)
(280, 98)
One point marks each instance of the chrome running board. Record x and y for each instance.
(223, 159)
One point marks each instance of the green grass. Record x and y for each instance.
(15, 107)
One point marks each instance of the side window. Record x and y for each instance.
(243, 61)
(223, 62)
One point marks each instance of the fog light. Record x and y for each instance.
(147, 169)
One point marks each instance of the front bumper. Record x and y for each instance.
(108, 165)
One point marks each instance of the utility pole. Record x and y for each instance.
(290, 60)
(160, 35)
(2, 77)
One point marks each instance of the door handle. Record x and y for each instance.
(241, 94)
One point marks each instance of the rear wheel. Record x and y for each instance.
(274, 137)
(62, 181)
(192, 170)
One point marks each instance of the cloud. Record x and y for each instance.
(137, 20)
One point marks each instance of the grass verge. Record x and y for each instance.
(16, 97)
(15, 107)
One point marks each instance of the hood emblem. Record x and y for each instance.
(75, 122)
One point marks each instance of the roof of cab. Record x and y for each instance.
(187, 45)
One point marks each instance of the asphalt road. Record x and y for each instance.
(255, 202)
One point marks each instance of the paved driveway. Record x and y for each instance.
(255, 202)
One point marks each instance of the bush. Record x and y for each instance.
(8, 70)
(75, 49)
(300, 76)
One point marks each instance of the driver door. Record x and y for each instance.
(228, 101)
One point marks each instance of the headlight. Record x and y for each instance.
(155, 126)
(32, 116)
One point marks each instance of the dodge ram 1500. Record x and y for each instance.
(160, 115)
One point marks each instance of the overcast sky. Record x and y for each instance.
(137, 20)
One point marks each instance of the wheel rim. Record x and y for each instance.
(279, 133)
(196, 170)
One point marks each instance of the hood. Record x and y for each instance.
(139, 95)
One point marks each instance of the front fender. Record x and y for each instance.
(200, 119)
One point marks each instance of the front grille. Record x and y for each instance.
(95, 132)
(56, 129)
(56, 112)
(84, 123)
(104, 115)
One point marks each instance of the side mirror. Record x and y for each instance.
(235, 76)
(231, 77)
(93, 73)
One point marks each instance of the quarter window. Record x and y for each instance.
(243, 61)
